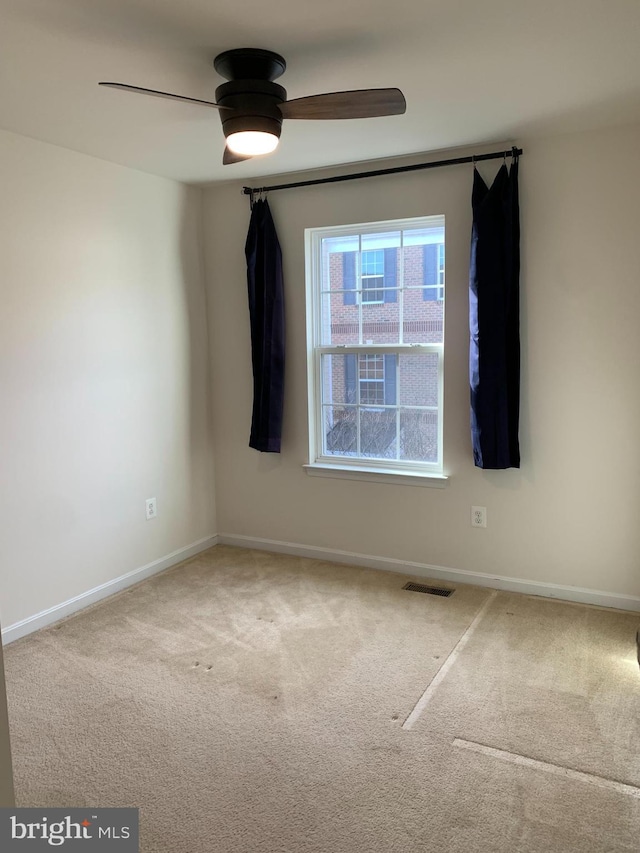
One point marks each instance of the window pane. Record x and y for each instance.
(339, 379)
(380, 323)
(341, 243)
(418, 380)
(340, 431)
(385, 240)
(340, 322)
(418, 435)
(378, 433)
(428, 234)
(341, 278)
(428, 330)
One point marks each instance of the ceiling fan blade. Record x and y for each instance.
(156, 94)
(229, 157)
(359, 103)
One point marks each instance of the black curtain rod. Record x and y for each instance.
(454, 161)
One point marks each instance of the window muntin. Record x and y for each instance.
(376, 368)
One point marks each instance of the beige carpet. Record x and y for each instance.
(255, 703)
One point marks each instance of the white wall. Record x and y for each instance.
(569, 515)
(104, 383)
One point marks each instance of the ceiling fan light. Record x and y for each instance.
(252, 142)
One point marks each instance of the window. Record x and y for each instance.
(371, 378)
(372, 276)
(375, 322)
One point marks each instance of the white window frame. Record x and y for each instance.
(381, 470)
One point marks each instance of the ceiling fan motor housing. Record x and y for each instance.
(250, 91)
(255, 106)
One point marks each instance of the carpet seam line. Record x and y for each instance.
(441, 674)
(548, 767)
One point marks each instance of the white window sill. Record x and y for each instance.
(376, 475)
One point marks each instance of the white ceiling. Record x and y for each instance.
(472, 72)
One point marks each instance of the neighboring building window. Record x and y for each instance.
(371, 378)
(376, 344)
(369, 276)
(372, 276)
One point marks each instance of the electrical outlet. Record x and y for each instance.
(152, 508)
(478, 516)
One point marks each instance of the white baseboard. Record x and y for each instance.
(619, 601)
(66, 608)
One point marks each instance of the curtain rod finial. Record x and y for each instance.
(248, 191)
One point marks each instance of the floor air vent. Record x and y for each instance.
(430, 590)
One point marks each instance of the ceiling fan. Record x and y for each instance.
(252, 106)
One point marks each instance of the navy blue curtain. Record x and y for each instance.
(266, 312)
(494, 307)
